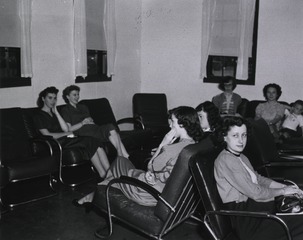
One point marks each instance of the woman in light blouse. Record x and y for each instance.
(241, 188)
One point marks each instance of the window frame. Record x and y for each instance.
(14, 80)
(101, 67)
(251, 64)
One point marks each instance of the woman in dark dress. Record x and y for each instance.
(79, 121)
(243, 189)
(49, 122)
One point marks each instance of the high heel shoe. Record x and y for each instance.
(86, 205)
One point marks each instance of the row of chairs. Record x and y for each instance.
(192, 180)
(30, 162)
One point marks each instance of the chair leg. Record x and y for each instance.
(3, 209)
(106, 230)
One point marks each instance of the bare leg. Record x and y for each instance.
(115, 139)
(103, 158)
(100, 162)
(87, 198)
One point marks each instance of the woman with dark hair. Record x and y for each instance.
(242, 188)
(49, 122)
(79, 121)
(185, 127)
(228, 101)
(209, 116)
(272, 111)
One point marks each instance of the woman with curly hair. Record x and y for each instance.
(227, 102)
(241, 188)
(272, 111)
(186, 128)
(49, 122)
(209, 116)
(79, 121)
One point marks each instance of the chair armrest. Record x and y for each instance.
(291, 155)
(247, 214)
(42, 146)
(135, 182)
(136, 121)
(286, 163)
(44, 143)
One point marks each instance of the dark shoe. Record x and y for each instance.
(87, 205)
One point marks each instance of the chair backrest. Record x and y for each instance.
(151, 108)
(261, 147)
(243, 107)
(248, 108)
(100, 110)
(180, 190)
(202, 168)
(28, 117)
(14, 142)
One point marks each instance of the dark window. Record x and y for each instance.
(220, 66)
(10, 68)
(96, 67)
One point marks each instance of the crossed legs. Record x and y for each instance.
(115, 139)
(100, 162)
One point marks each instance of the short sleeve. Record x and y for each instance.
(39, 122)
(65, 115)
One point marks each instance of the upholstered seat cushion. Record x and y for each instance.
(3, 176)
(137, 215)
(31, 167)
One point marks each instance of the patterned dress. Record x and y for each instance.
(227, 104)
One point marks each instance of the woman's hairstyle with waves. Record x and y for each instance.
(272, 85)
(188, 118)
(68, 90)
(213, 115)
(231, 121)
(43, 94)
(227, 79)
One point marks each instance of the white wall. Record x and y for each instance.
(52, 55)
(171, 37)
(159, 51)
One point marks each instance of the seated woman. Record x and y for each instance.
(209, 117)
(79, 121)
(184, 126)
(241, 188)
(272, 111)
(49, 122)
(228, 101)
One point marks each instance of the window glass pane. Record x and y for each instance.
(95, 38)
(9, 24)
(9, 62)
(225, 35)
